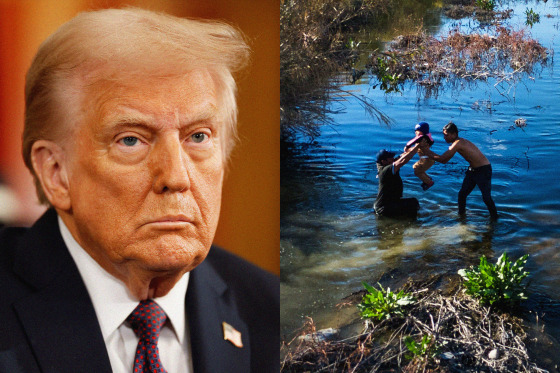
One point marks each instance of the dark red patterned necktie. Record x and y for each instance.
(146, 321)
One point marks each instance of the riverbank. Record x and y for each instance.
(445, 331)
(315, 44)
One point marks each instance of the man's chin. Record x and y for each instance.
(180, 256)
(170, 267)
(156, 276)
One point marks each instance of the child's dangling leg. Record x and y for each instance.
(420, 169)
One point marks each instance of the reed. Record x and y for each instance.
(314, 45)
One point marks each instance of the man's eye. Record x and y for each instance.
(199, 137)
(129, 140)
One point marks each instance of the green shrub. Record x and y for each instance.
(389, 81)
(382, 304)
(532, 17)
(426, 348)
(500, 284)
(485, 4)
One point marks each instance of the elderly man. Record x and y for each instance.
(130, 118)
(389, 201)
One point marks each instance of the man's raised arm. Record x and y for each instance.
(404, 158)
(443, 158)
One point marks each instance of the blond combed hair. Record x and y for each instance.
(119, 45)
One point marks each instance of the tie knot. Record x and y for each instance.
(147, 319)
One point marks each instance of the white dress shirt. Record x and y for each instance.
(113, 303)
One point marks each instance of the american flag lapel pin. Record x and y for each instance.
(231, 334)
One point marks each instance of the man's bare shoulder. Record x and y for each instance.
(462, 144)
(470, 152)
(467, 146)
(458, 144)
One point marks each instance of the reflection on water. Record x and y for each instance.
(326, 256)
(331, 239)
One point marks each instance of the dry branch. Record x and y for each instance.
(469, 338)
(506, 56)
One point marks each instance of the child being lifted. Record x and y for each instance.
(423, 135)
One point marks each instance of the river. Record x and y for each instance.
(331, 239)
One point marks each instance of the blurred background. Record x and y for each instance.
(250, 218)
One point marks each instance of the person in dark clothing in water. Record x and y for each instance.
(389, 200)
(478, 174)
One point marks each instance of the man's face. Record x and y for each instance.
(449, 137)
(145, 174)
(388, 161)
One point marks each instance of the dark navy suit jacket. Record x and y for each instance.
(48, 323)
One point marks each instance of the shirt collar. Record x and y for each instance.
(110, 297)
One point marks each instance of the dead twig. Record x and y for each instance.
(465, 337)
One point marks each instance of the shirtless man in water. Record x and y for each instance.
(479, 172)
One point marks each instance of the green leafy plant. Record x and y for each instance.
(383, 304)
(499, 284)
(532, 17)
(426, 348)
(485, 4)
(389, 81)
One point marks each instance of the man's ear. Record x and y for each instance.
(49, 163)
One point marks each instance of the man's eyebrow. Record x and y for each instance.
(131, 122)
(138, 119)
(127, 118)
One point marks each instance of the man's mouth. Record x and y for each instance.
(170, 222)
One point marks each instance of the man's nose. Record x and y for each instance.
(170, 166)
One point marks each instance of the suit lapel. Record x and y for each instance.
(209, 304)
(58, 317)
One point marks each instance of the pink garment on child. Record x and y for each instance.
(416, 139)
